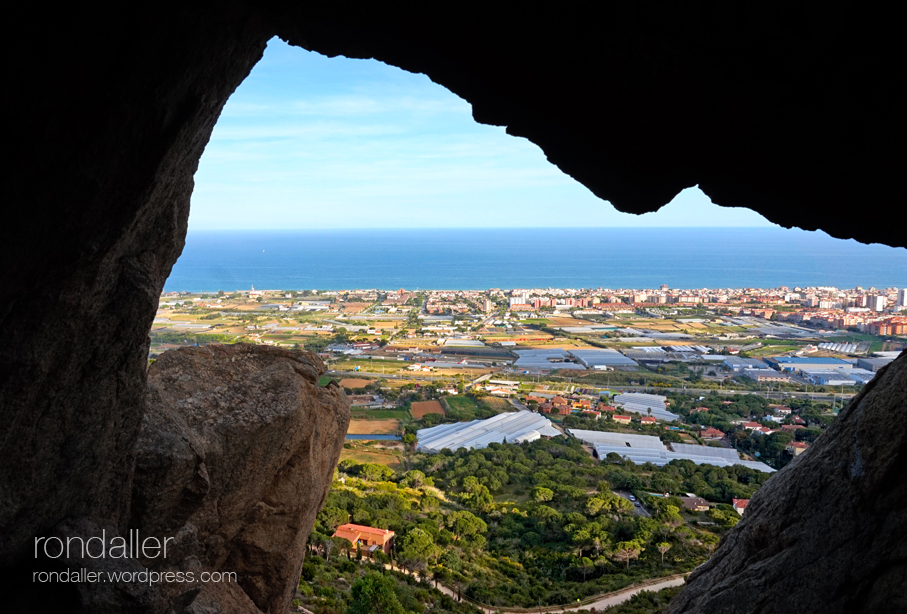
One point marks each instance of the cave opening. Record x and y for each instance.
(120, 110)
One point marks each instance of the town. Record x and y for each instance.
(537, 447)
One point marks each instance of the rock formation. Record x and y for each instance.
(235, 457)
(238, 449)
(791, 109)
(828, 533)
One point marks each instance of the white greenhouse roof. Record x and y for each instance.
(514, 427)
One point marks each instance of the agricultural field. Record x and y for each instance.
(374, 427)
(370, 453)
(352, 383)
(420, 409)
(498, 404)
(379, 414)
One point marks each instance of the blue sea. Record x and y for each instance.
(530, 258)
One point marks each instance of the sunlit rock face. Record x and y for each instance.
(235, 458)
(792, 110)
(828, 533)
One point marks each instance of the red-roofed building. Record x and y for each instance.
(790, 428)
(751, 425)
(740, 505)
(796, 447)
(621, 419)
(696, 410)
(609, 408)
(648, 421)
(592, 413)
(711, 433)
(368, 539)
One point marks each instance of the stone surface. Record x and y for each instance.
(828, 533)
(792, 109)
(235, 458)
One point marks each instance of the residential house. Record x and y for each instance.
(695, 504)
(796, 447)
(740, 505)
(621, 419)
(790, 428)
(368, 539)
(711, 433)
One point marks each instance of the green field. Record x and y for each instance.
(363, 453)
(381, 414)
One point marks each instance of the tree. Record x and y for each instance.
(414, 478)
(375, 472)
(479, 498)
(663, 547)
(374, 593)
(626, 551)
(332, 517)
(416, 547)
(465, 524)
(671, 516)
(540, 494)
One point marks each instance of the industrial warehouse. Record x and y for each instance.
(646, 449)
(516, 427)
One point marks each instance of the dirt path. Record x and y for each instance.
(599, 602)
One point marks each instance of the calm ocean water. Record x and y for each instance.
(530, 258)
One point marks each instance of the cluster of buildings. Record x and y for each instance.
(890, 299)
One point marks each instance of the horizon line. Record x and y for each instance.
(773, 226)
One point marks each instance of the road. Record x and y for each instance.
(637, 506)
(599, 602)
(816, 396)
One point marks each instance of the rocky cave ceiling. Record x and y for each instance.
(789, 108)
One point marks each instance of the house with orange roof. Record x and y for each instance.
(368, 539)
(796, 447)
(740, 505)
(621, 419)
(711, 433)
(647, 421)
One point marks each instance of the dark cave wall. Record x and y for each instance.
(790, 109)
(111, 127)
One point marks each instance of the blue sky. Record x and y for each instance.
(313, 142)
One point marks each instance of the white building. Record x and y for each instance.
(879, 302)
